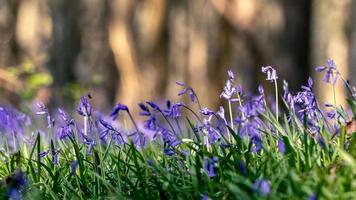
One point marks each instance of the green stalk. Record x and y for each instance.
(231, 120)
(276, 91)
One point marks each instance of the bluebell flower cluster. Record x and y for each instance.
(250, 123)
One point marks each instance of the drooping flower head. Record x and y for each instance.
(115, 111)
(209, 166)
(206, 111)
(186, 89)
(42, 110)
(331, 72)
(229, 88)
(85, 108)
(173, 110)
(271, 73)
(305, 102)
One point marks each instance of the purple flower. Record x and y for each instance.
(16, 185)
(43, 154)
(242, 167)
(261, 90)
(209, 166)
(173, 110)
(106, 124)
(169, 151)
(65, 131)
(305, 103)
(84, 108)
(262, 187)
(73, 166)
(313, 196)
(152, 123)
(281, 146)
(154, 106)
(204, 196)
(66, 118)
(145, 111)
(257, 143)
(330, 71)
(229, 88)
(139, 139)
(115, 112)
(192, 95)
(271, 73)
(206, 111)
(91, 146)
(55, 156)
(212, 133)
(42, 110)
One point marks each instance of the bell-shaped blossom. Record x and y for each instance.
(271, 73)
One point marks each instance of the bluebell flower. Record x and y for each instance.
(320, 139)
(212, 132)
(169, 151)
(204, 196)
(331, 71)
(43, 154)
(287, 96)
(65, 131)
(305, 103)
(16, 184)
(257, 143)
(151, 123)
(14, 194)
(84, 108)
(44, 111)
(73, 166)
(173, 110)
(271, 73)
(115, 111)
(313, 196)
(91, 146)
(54, 156)
(139, 139)
(209, 166)
(187, 89)
(281, 146)
(106, 124)
(206, 111)
(242, 167)
(145, 111)
(229, 88)
(154, 106)
(109, 129)
(262, 187)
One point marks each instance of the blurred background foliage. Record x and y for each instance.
(128, 51)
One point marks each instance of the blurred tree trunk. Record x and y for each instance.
(65, 46)
(9, 49)
(138, 55)
(329, 40)
(352, 37)
(10, 54)
(95, 67)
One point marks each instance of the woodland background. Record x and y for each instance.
(134, 50)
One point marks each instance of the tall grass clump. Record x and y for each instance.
(290, 148)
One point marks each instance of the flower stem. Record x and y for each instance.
(231, 119)
(276, 90)
(136, 127)
(85, 125)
